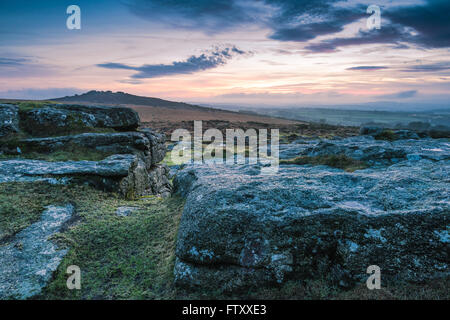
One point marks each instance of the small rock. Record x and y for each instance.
(125, 211)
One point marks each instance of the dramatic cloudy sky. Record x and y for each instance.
(231, 51)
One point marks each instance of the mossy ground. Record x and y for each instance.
(133, 257)
(120, 257)
(245, 152)
(336, 161)
(20, 206)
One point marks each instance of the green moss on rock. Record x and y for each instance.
(340, 161)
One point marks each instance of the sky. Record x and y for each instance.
(277, 52)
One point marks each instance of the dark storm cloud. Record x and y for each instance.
(281, 16)
(367, 68)
(193, 64)
(207, 15)
(304, 20)
(425, 25)
(331, 21)
(388, 34)
(431, 21)
(290, 9)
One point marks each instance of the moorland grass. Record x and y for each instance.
(339, 161)
(120, 257)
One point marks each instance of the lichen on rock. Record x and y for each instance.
(315, 222)
(29, 260)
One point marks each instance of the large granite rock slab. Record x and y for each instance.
(240, 229)
(54, 119)
(114, 166)
(147, 144)
(29, 260)
(9, 120)
(125, 174)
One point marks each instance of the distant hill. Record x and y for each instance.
(166, 115)
(122, 98)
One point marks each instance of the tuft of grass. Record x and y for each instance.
(26, 106)
(245, 152)
(168, 159)
(387, 135)
(340, 161)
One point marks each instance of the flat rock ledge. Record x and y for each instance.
(241, 230)
(29, 260)
(126, 174)
(147, 144)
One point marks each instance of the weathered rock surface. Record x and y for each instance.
(9, 119)
(28, 261)
(132, 171)
(159, 180)
(60, 118)
(126, 174)
(147, 144)
(366, 148)
(240, 229)
(396, 134)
